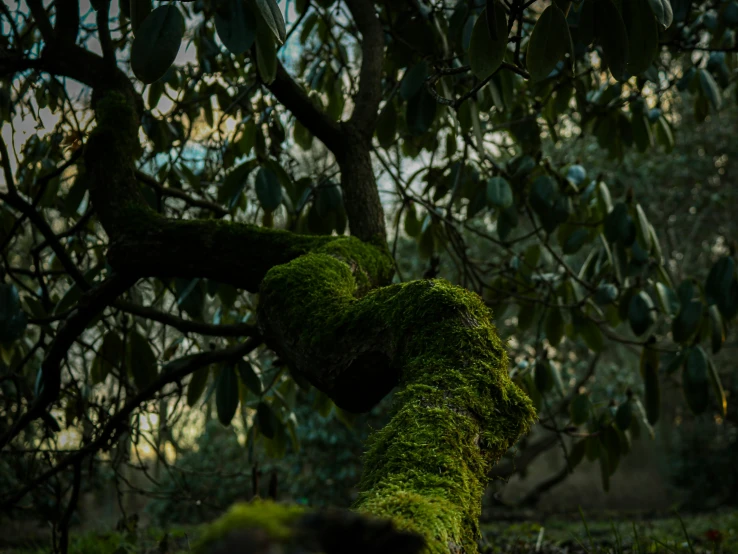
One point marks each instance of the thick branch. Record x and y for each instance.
(66, 26)
(366, 102)
(294, 98)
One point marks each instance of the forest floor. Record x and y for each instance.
(617, 533)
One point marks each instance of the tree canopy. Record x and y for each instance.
(206, 202)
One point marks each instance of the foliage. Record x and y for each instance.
(468, 104)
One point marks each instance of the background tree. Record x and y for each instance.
(132, 261)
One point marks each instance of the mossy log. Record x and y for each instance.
(327, 307)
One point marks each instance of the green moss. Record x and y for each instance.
(276, 520)
(457, 411)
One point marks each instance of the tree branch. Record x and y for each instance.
(294, 98)
(187, 326)
(366, 102)
(171, 372)
(42, 20)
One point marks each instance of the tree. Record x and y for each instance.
(124, 236)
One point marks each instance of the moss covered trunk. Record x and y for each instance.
(328, 308)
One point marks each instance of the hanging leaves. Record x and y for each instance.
(549, 43)
(157, 43)
(140, 360)
(235, 25)
(226, 394)
(485, 52)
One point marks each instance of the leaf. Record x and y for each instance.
(664, 134)
(140, 360)
(650, 374)
(157, 43)
(413, 80)
(266, 53)
(641, 313)
(486, 53)
(579, 409)
(190, 296)
(249, 377)
(606, 294)
(662, 11)
(226, 394)
(139, 10)
(575, 242)
(717, 388)
(13, 319)
(387, 126)
(624, 415)
(612, 36)
(196, 385)
(329, 200)
(577, 453)
(554, 326)
(499, 193)
(543, 377)
(694, 380)
(268, 189)
(717, 327)
(643, 231)
(413, 225)
(421, 112)
(668, 299)
(266, 419)
(549, 43)
(273, 18)
(229, 193)
(235, 25)
(643, 35)
(642, 133)
(110, 354)
(687, 320)
(710, 89)
(720, 285)
(619, 226)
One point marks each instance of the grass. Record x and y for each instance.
(713, 533)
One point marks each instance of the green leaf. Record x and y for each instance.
(664, 134)
(486, 53)
(140, 360)
(229, 193)
(641, 313)
(650, 373)
(157, 43)
(549, 43)
(577, 453)
(266, 419)
(662, 11)
(544, 379)
(612, 36)
(13, 319)
(619, 226)
(687, 320)
(643, 231)
(606, 294)
(717, 388)
(413, 225)
(720, 283)
(579, 409)
(235, 25)
(226, 394)
(421, 112)
(710, 89)
(695, 380)
(190, 296)
(554, 326)
(329, 200)
(266, 53)
(249, 377)
(499, 193)
(273, 18)
(643, 35)
(387, 126)
(139, 9)
(668, 299)
(110, 353)
(413, 80)
(717, 328)
(268, 189)
(624, 415)
(196, 385)
(642, 133)
(575, 241)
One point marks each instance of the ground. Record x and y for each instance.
(715, 532)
